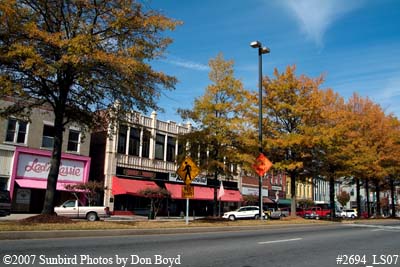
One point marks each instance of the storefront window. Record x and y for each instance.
(16, 131)
(48, 136)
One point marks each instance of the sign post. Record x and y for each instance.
(261, 166)
(188, 171)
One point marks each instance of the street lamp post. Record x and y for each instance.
(261, 50)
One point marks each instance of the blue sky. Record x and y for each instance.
(354, 43)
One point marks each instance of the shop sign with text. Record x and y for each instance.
(173, 177)
(37, 166)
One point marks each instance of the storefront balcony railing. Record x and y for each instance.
(128, 161)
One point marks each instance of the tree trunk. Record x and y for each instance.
(378, 198)
(358, 196)
(393, 204)
(293, 194)
(215, 202)
(48, 205)
(367, 193)
(332, 196)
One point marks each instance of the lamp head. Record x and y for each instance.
(255, 44)
(264, 50)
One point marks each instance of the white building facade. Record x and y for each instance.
(140, 153)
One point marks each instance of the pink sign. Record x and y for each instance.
(35, 164)
(31, 168)
(38, 167)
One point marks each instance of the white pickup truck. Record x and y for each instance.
(74, 209)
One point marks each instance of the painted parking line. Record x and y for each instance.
(279, 241)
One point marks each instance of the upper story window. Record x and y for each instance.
(134, 141)
(16, 131)
(122, 134)
(73, 140)
(146, 144)
(171, 144)
(160, 143)
(48, 136)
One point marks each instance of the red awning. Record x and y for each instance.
(267, 200)
(121, 186)
(40, 184)
(204, 193)
(200, 193)
(231, 196)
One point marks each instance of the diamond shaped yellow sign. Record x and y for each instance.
(188, 170)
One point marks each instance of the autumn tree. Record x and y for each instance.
(343, 198)
(250, 200)
(78, 57)
(289, 107)
(390, 157)
(367, 145)
(217, 116)
(327, 135)
(91, 190)
(156, 196)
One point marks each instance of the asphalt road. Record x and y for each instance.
(332, 245)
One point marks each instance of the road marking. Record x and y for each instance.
(377, 227)
(279, 241)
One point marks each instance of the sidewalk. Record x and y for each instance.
(20, 216)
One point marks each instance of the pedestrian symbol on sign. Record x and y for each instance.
(188, 171)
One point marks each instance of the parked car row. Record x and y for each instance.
(252, 212)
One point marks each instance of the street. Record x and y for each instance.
(302, 245)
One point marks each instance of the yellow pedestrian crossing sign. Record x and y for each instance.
(188, 170)
(187, 191)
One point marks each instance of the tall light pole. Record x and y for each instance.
(261, 50)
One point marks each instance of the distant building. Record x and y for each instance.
(273, 188)
(25, 149)
(304, 189)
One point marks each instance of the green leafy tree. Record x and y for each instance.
(78, 57)
(217, 116)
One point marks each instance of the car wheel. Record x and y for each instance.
(352, 216)
(256, 217)
(91, 217)
(232, 217)
(344, 216)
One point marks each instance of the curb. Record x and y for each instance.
(18, 235)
